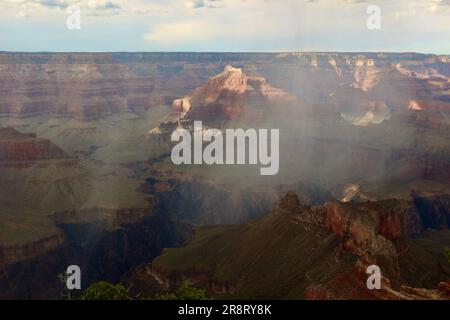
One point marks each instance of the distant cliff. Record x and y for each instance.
(16, 147)
(93, 85)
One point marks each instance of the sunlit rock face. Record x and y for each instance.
(85, 91)
(373, 112)
(231, 94)
(430, 105)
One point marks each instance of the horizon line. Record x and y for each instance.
(222, 52)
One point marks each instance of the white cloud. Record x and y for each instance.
(439, 6)
(197, 4)
(21, 14)
(194, 4)
(145, 10)
(90, 7)
(239, 25)
(182, 32)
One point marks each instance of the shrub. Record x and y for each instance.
(105, 290)
(447, 254)
(184, 292)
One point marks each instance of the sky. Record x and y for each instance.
(225, 25)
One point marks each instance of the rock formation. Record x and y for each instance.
(230, 94)
(17, 147)
(346, 236)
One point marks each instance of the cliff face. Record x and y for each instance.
(101, 252)
(90, 86)
(230, 95)
(347, 238)
(10, 254)
(351, 285)
(99, 220)
(16, 147)
(85, 91)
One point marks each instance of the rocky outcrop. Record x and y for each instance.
(109, 219)
(102, 252)
(10, 254)
(168, 280)
(356, 278)
(429, 105)
(16, 147)
(182, 106)
(370, 233)
(230, 95)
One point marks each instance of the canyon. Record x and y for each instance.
(235, 148)
(86, 174)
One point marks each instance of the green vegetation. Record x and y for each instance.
(184, 292)
(104, 290)
(447, 254)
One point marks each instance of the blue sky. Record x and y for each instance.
(225, 25)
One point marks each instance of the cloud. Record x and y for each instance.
(101, 8)
(102, 5)
(197, 4)
(182, 32)
(346, 1)
(194, 4)
(239, 25)
(89, 7)
(439, 6)
(148, 10)
(61, 4)
(21, 14)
